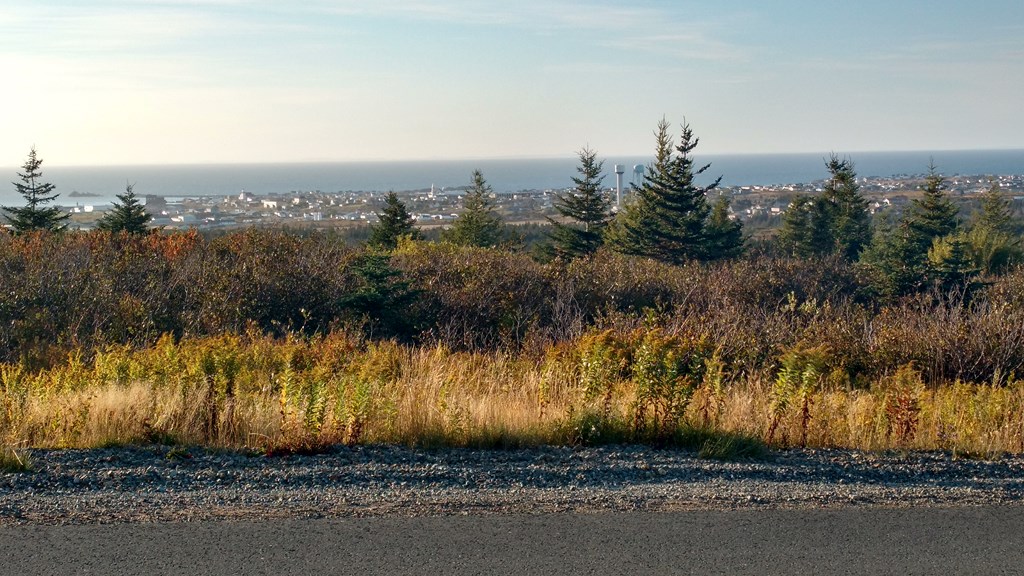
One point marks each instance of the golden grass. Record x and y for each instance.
(294, 395)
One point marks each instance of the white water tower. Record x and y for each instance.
(619, 171)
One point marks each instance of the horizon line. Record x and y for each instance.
(509, 158)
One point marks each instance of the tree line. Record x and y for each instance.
(928, 246)
(672, 219)
(127, 214)
(669, 219)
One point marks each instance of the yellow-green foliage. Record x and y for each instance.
(665, 372)
(800, 375)
(302, 394)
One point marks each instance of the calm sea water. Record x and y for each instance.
(503, 175)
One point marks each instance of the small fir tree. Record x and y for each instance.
(725, 234)
(587, 208)
(395, 222)
(950, 263)
(382, 299)
(35, 215)
(923, 249)
(127, 215)
(995, 213)
(893, 264)
(992, 243)
(479, 224)
(933, 215)
(844, 210)
(795, 234)
(837, 221)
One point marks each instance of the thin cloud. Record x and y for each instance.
(151, 24)
(685, 46)
(636, 29)
(80, 32)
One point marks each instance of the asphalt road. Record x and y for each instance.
(843, 541)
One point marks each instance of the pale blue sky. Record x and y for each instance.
(148, 81)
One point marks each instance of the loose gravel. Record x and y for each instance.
(172, 485)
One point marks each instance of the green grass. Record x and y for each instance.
(717, 445)
(14, 460)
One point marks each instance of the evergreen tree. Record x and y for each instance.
(587, 207)
(843, 210)
(995, 213)
(950, 262)
(667, 219)
(837, 221)
(479, 224)
(933, 215)
(127, 215)
(725, 235)
(992, 242)
(394, 222)
(923, 249)
(893, 264)
(34, 215)
(382, 299)
(795, 236)
(631, 232)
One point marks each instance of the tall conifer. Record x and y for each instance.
(34, 215)
(845, 209)
(667, 219)
(479, 224)
(586, 207)
(933, 215)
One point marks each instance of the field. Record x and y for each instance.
(277, 343)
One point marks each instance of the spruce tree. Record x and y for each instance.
(668, 217)
(34, 215)
(933, 215)
(995, 213)
(893, 264)
(394, 222)
(725, 235)
(992, 243)
(586, 206)
(795, 236)
(479, 224)
(843, 210)
(631, 232)
(923, 249)
(834, 222)
(128, 215)
(382, 299)
(950, 262)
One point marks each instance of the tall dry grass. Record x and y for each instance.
(303, 394)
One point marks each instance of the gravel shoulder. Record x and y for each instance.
(159, 484)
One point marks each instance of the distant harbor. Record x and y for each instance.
(758, 206)
(102, 184)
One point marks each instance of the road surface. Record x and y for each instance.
(861, 540)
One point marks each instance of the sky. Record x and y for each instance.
(116, 82)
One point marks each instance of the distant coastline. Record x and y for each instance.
(101, 184)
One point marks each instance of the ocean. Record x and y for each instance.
(511, 175)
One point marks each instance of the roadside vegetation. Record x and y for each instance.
(660, 324)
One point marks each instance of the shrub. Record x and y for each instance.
(479, 298)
